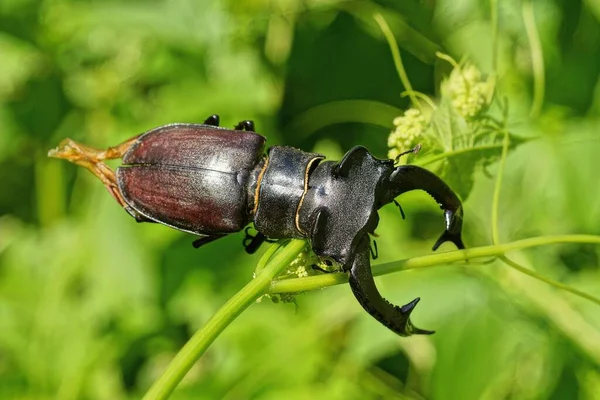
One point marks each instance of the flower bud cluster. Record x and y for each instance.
(468, 91)
(409, 128)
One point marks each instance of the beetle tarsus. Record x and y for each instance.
(201, 241)
(213, 120)
(363, 286)
(245, 125)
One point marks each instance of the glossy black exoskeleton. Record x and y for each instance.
(211, 181)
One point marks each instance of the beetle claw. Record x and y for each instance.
(407, 309)
(410, 177)
(452, 233)
(363, 286)
(447, 236)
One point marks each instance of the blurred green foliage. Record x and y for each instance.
(93, 305)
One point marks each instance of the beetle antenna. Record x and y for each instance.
(414, 150)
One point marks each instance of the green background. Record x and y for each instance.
(94, 305)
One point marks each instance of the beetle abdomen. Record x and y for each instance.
(192, 177)
(192, 200)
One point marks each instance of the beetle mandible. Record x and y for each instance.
(212, 181)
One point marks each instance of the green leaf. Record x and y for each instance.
(461, 148)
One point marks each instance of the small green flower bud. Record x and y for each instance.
(301, 272)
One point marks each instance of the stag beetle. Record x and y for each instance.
(212, 181)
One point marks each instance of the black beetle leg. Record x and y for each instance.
(201, 241)
(213, 120)
(400, 208)
(410, 177)
(247, 237)
(253, 243)
(245, 125)
(374, 251)
(363, 286)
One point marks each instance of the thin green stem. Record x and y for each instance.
(421, 96)
(452, 153)
(482, 130)
(389, 36)
(296, 285)
(498, 187)
(542, 278)
(494, 18)
(446, 57)
(537, 58)
(264, 259)
(203, 338)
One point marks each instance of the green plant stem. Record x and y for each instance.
(447, 58)
(389, 36)
(421, 96)
(452, 153)
(203, 338)
(542, 278)
(264, 259)
(494, 18)
(320, 281)
(497, 189)
(537, 58)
